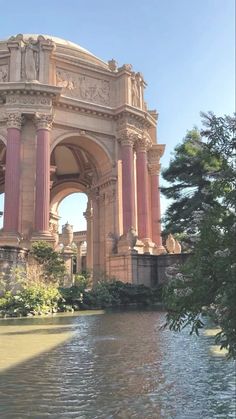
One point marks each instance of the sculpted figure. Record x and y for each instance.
(135, 93)
(31, 60)
(170, 244)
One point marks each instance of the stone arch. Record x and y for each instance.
(62, 191)
(97, 152)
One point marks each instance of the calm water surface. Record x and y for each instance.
(110, 365)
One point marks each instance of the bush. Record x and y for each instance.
(32, 299)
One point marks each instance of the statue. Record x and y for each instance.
(135, 93)
(177, 247)
(170, 244)
(31, 60)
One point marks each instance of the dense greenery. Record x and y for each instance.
(51, 261)
(203, 211)
(30, 294)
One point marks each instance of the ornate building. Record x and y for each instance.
(70, 122)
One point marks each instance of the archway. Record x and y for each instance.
(80, 164)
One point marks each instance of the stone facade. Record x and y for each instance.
(70, 122)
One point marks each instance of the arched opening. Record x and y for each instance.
(72, 210)
(80, 164)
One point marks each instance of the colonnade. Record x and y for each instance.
(147, 187)
(43, 124)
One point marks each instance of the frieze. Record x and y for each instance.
(28, 100)
(3, 73)
(83, 87)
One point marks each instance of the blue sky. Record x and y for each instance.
(184, 48)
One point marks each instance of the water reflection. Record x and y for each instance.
(114, 365)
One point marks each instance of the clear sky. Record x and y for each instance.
(184, 48)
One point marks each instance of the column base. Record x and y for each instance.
(10, 239)
(45, 236)
(160, 250)
(148, 246)
(127, 242)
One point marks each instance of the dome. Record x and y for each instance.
(64, 48)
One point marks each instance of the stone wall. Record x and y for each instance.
(143, 269)
(11, 257)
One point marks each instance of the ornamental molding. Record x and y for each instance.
(28, 99)
(15, 120)
(86, 88)
(43, 121)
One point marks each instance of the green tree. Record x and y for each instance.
(207, 282)
(51, 261)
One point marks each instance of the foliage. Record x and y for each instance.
(51, 261)
(38, 296)
(33, 299)
(207, 283)
(116, 293)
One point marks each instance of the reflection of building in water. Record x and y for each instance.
(80, 125)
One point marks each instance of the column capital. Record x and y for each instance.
(14, 120)
(43, 121)
(154, 168)
(142, 144)
(155, 153)
(127, 138)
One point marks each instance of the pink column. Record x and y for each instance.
(142, 188)
(155, 204)
(42, 200)
(127, 156)
(12, 174)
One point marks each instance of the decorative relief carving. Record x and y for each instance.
(28, 100)
(3, 73)
(84, 87)
(43, 121)
(14, 120)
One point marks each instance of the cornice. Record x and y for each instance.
(29, 88)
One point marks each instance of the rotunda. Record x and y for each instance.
(71, 122)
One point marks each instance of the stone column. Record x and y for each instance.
(42, 197)
(142, 145)
(154, 154)
(88, 214)
(12, 175)
(79, 257)
(127, 156)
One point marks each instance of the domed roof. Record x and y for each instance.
(66, 48)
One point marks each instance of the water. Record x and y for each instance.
(111, 365)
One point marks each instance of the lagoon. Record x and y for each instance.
(103, 365)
